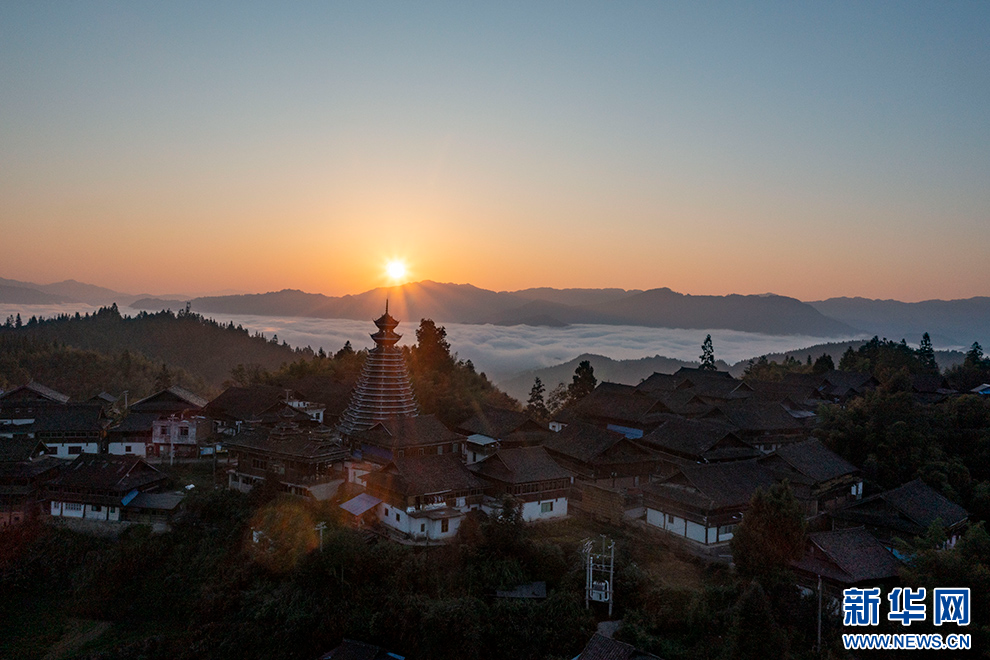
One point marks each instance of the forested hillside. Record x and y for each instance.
(200, 353)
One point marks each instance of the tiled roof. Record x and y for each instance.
(848, 556)
(408, 432)
(756, 416)
(38, 389)
(300, 444)
(690, 437)
(136, 422)
(244, 403)
(108, 472)
(497, 422)
(70, 417)
(421, 475)
(519, 466)
(695, 373)
(600, 647)
(615, 402)
(812, 459)
(15, 450)
(715, 486)
(660, 383)
(923, 504)
(173, 398)
(585, 442)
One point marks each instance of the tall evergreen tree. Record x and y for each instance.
(707, 354)
(584, 382)
(432, 352)
(536, 405)
(556, 399)
(926, 355)
(823, 365)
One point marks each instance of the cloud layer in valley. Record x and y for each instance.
(503, 351)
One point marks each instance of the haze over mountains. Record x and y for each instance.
(950, 323)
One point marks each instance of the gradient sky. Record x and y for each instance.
(834, 149)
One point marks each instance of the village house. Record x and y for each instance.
(530, 476)
(821, 479)
(845, 558)
(258, 405)
(302, 461)
(493, 428)
(906, 512)
(683, 441)
(180, 435)
(602, 457)
(71, 429)
(704, 503)
(135, 434)
(425, 497)
(25, 468)
(401, 437)
(103, 487)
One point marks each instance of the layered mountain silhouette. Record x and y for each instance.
(949, 322)
(464, 303)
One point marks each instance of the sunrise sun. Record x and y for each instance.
(396, 270)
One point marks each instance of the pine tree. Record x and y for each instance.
(707, 355)
(584, 382)
(926, 355)
(163, 380)
(556, 399)
(536, 406)
(974, 356)
(823, 365)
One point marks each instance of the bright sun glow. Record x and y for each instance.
(396, 270)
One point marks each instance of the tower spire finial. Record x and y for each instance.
(386, 304)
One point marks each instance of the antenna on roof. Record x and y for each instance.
(386, 304)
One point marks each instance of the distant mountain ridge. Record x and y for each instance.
(464, 303)
(951, 323)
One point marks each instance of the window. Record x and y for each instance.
(422, 527)
(184, 431)
(422, 451)
(75, 450)
(726, 529)
(127, 449)
(112, 509)
(72, 506)
(397, 517)
(444, 526)
(457, 448)
(670, 519)
(440, 449)
(546, 507)
(163, 430)
(259, 464)
(96, 508)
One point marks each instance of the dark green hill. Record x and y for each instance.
(204, 348)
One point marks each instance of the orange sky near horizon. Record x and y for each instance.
(812, 151)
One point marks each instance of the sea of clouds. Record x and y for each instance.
(501, 351)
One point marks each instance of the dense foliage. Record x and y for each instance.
(80, 373)
(207, 590)
(895, 439)
(185, 341)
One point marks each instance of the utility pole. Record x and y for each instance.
(320, 527)
(819, 645)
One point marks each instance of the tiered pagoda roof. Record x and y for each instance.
(384, 391)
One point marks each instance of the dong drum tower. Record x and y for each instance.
(384, 391)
